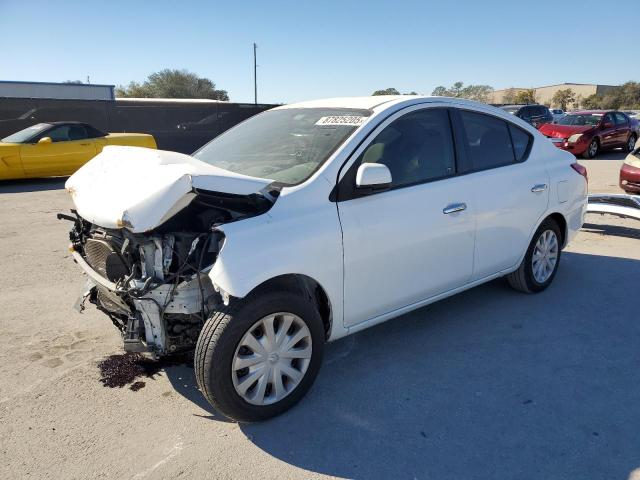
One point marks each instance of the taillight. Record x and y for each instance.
(581, 170)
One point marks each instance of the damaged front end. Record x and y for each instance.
(153, 282)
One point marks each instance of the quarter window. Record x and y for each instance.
(488, 141)
(416, 147)
(520, 140)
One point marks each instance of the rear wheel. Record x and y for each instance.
(631, 143)
(592, 149)
(258, 357)
(540, 263)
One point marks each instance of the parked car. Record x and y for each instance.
(557, 114)
(310, 222)
(630, 173)
(58, 148)
(536, 115)
(587, 132)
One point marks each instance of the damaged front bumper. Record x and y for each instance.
(166, 319)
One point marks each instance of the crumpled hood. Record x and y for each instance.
(563, 131)
(141, 188)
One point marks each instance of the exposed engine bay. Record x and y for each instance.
(154, 285)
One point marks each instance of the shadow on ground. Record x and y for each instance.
(490, 384)
(615, 230)
(617, 154)
(36, 185)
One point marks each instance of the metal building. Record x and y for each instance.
(61, 91)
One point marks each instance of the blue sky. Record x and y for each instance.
(323, 48)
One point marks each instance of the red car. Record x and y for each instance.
(587, 132)
(630, 173)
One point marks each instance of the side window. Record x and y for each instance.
(521, 141)
(58, 134)
(608, 118)
(488, 140)
(416, 147)
(77, 132)
(621, 118)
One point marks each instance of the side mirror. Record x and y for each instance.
(607, 125)
(373, 177)
(45, 140)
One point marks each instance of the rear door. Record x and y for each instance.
(510, 190)
(407, 243)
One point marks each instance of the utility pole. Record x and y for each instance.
(255, 75)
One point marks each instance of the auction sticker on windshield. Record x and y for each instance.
(348, 120)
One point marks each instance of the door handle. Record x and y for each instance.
(454, 207)
(541, 187)
(85, 144)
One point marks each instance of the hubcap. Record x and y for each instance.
(545, 256)
(593, 149)
(271, 358)
(632, 143)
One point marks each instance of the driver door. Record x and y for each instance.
(608, 131)
(414, 240)
(68, 150)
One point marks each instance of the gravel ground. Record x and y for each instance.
(488, 384)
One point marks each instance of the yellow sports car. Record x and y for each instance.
(58, 148)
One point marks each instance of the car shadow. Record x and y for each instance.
(615, 230)
(490, 383)
(183, 380)
(617, 154)
(32, 185)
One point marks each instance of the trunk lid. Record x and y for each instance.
(141, 188)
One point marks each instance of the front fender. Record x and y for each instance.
(285, 240)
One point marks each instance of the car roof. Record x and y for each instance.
(72, 122)
(379, 103)
(591, 112)
(367, 103)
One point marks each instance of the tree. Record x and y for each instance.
(509, 96)
(563, 98)
(525, 97)
(392, 91)
(386, 91)
(173, 84)
(479, 93)
(592, 102)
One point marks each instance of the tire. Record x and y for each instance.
(218, 347)
(524, 278)
(631, 143)
(593, 149)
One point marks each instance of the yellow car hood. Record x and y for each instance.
(140, 188)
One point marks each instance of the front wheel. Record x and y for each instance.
(258, 357)
(592, 149)
(540, 263)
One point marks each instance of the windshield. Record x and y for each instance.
(23, 136)
(581, 119)
(511, 110)
(285, 145)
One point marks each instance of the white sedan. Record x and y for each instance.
(313, 221)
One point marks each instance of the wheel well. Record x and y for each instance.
(562, 223)
(305, 286)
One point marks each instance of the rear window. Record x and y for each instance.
(492, 142)
(488, 140)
